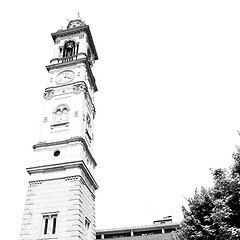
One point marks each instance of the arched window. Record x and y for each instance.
(65, 115)
(60, 116)
(69, 49)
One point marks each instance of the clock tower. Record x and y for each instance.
(60, 201)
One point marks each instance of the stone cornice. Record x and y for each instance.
(76, 60)
(52, 167)
(91, 77)
(71, 31)
(66, 141)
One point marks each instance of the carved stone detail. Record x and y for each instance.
(72, 178)
(81, 35)
(48, 93)
(90, 103)
(79, 87)
(35, 182)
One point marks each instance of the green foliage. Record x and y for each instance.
(214, 213)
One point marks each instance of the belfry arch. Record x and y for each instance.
(70, 48)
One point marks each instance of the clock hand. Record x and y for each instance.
(67, 76)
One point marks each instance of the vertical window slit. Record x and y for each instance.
(45, 226)
(54, 225)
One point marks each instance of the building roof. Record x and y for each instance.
(160, 230)
(162, 236)
(140, 228)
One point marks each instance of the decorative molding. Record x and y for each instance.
(90, 103)
(58, 70)
(72, 178)
(52, 167)
(79, 87)
(66, 124)
(35, 182)
(60, 63)
(48, 93)
(91, 77)
(72, 37)
(81, 35)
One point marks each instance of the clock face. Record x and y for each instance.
(65, 77)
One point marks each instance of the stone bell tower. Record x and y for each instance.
(60, 201)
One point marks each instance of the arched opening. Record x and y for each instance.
(60, 116)
(69, 49)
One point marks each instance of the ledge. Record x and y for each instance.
(67, 141)
(68, 59)
(52, 167)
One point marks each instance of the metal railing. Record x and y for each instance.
(67, 59)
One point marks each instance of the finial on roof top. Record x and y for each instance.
(80, 19)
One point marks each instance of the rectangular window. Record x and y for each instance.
(54, 224)
(49, 224)
(45, 232)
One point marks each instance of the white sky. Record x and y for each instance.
(167, 106)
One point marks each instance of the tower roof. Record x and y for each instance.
(76, 23)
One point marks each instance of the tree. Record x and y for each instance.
(214, 213)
